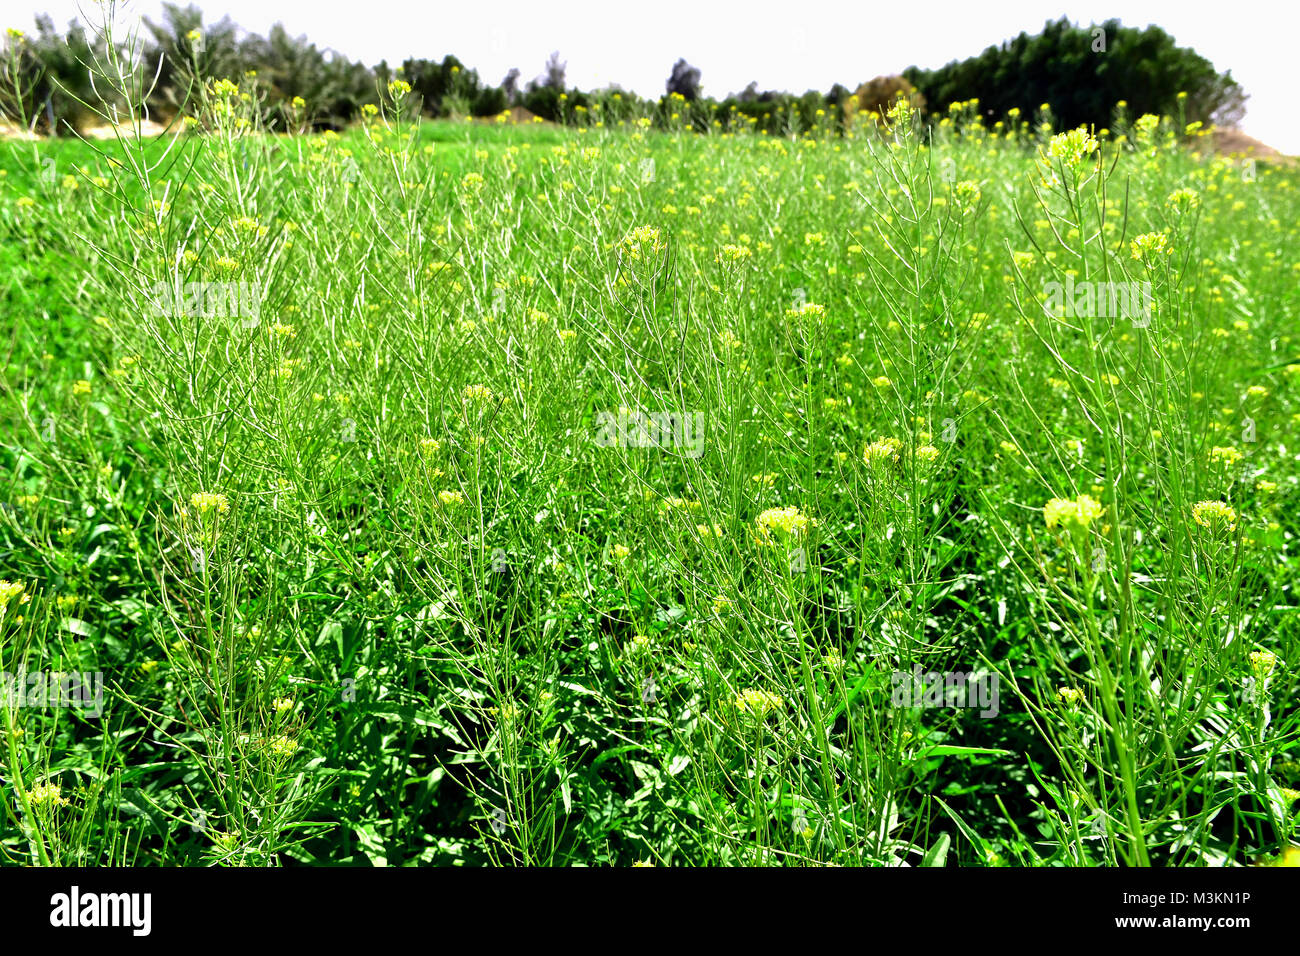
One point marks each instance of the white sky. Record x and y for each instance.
(809, 44)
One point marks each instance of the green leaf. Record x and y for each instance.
(937, 854)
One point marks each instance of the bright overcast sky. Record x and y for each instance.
(798, 46)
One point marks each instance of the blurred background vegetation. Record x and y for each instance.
(1059, 67)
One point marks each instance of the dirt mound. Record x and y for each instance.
(1233, 142)
(516, 114)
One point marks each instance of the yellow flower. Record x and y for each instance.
(81, 387)
(1225, 456)
(1262, 663)
(1149, 245)
(46, 793)
(1214, 514)
(758, 703)
(283, 746)
(621, 552)
(1073, 147)
(643, 240)
(478, 393)
(10, 590)
(1070, 696)
(1079, 513)
(786, 521)
(882, 449)
(207, 501)
(451, 498)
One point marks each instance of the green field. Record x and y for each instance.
(534, 496)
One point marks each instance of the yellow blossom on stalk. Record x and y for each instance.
(731, 253)
(283, 746)
(1079, 513)
(1262, 663)
(451, 498)
(1149, 245)
(298, 103)
(398, 88)
(882, 449)
(472, 182)
(642, 241)
(706, 532)
(282, 704)
(833, 660)
(786, 521)
(621, 552)
(1214, 514)
(478, 393)
(206, 501)
(9, 590)
(759, 704)
(1147, 123)
(967, 192)
(430, 447)
(81, 387)
(809, 310)
(1070, 696)
(1257, 391)
(46, 794)
(1225, 456)
(927, 453)
(721, 605)
(1188, 198)
(882, 381)
(1072, 148)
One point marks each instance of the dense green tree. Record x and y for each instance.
(1082, 72)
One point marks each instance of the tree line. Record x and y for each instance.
(1081, 72)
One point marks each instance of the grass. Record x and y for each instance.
(399, 568)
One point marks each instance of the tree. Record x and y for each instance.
(1065, 67)
(685, 81)
(510, 86)
(553, 78)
